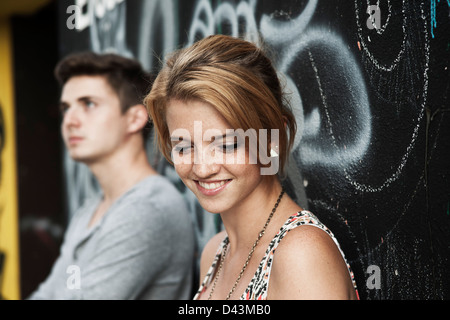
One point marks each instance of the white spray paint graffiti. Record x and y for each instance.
(163, 11)
(224, 12)
(393, 69)
(108, 32)
(413, 31)
(287, 33)
(310, 149)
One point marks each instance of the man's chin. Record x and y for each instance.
(80, 157)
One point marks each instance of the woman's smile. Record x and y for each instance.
(210, 188)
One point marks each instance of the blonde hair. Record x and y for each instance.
(232, 75)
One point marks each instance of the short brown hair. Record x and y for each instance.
(234, 76)
(125, 76)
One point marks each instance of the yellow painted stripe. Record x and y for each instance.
(9, 233)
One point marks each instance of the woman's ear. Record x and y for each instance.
(285, 122)
(137, 118)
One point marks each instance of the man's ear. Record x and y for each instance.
(137, 117)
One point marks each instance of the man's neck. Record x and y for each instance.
(116, 175)
(120, 172)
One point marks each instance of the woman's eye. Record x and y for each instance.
(181, 149)
(229, 148)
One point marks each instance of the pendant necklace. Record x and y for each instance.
(261, 233)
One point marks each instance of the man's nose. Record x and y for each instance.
(71, 117)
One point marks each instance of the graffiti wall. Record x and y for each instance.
(369, 85)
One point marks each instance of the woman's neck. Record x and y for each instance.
(244, 222)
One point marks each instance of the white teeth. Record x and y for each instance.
(213, 185)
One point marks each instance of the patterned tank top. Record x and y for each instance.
(258, 286)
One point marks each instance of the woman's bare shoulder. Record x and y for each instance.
(308, 265)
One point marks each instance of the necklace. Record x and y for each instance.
(261, 233)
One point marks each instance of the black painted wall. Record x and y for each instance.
(39, 152)
(371, 97)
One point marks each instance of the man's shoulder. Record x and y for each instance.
(152, 199)
(156, 185)
(157, 190)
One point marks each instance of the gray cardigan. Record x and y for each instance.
(142, 248)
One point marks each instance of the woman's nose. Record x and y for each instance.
(205, 162)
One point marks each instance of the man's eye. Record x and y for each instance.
(63, 108)
(89, 104)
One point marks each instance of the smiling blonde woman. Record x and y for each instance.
(229, 86)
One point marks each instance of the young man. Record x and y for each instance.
(136, 240)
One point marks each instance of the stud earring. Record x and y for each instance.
(273, 153)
